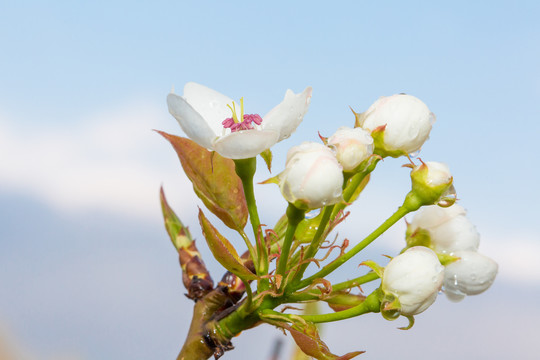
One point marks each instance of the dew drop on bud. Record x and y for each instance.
(448, 198)
(414, 153)
(313, 213)
(390, 309)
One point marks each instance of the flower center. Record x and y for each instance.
(242, 122)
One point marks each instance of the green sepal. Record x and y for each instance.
(447, 259)
(418, 237)
(214, 181)
(379, 147)
(379, 270)
(267, 157)
(411, 323)
(223, 250)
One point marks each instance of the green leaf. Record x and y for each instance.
(214, 180)
(223, 250)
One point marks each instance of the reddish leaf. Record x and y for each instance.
(223, 250)
(214, 180)
(310, 343)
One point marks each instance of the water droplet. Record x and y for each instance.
(313, 213)
(432, 118)
(415, 153)
(448, 198)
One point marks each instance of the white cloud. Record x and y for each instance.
(109, 161)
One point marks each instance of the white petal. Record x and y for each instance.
(471, 275)
(190, 121)
(245, 144)
(211, 104)
(286, 116)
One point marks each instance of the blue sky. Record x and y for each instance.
(87, 271)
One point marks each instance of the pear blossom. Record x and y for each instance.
(312, 178)
(448, 228)
(215, 122)
(352, 146)
(472, 274)
(414, 278)
(403, 122)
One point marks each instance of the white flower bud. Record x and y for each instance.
(415, 278)
(433, 215)
(448, 228)
(313, 178)
(432, 184)
(471, 275)
(352, 146)
(437, 173)
(407, 122)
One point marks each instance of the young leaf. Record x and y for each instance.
(310, 343)
(223, 250)
(214, 180)
(179, 234)
(195, 276)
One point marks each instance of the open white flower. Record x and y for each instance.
(213, 120)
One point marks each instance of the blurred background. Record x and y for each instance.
(86, 268)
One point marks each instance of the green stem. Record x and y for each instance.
(371, 276)
(315, 243)
(331, 212)
(245, 168)
(371, 304)
(294, 216)
(345, 285)
(251, 249)
(401, 212)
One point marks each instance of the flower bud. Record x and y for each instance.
(448, 229)
(414, 278)
(352, 146)
(432, 184)
(471, 275)
(400, 124)
(312, 178)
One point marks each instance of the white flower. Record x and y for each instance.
(205, 116)
(312, 178)
(352, 146)
(414, 277)
(471, 275)
(448, 228)
(406, 121)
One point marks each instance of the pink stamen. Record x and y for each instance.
(229, 123)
